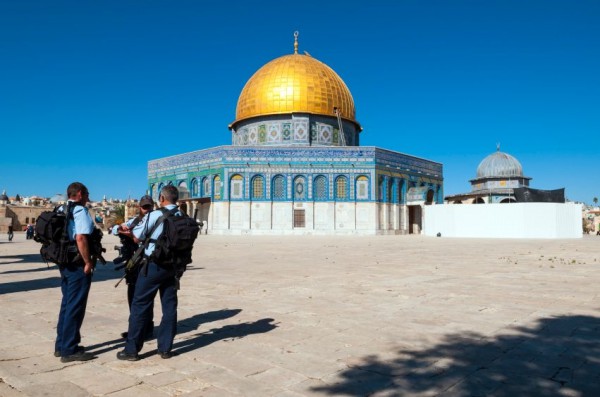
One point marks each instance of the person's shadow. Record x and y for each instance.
(235, 331)
(203, 339)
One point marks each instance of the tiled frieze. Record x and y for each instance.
(301, 131)
(325, 134)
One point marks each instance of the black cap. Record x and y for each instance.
(146, 200)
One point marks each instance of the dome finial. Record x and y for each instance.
(296, 42)
(498, 146)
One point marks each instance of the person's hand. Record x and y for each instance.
(126, 233)
(88, 268)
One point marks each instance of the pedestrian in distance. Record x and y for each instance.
(29, 232)
(10, 233)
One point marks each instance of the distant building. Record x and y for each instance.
(20, 213)
(23, 211)
(532, 213)
(591, 220)
(497, 176)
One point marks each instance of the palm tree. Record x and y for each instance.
(595, 200)
(117, 215)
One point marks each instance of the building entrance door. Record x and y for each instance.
(414, 219)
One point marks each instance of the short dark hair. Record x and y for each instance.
(170, 193)
(75, 188)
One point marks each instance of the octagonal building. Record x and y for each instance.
(295, 165)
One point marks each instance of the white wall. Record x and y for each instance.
(265, 218)
(516, 220)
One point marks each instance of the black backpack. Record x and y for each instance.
(173, 248)
(51, 231)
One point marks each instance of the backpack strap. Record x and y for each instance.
(159, 221)
(69, 215)
(135, 222)
(166, 213)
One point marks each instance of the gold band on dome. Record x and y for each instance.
(295, 84)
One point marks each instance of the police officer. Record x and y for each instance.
(151, 279)
(76, 277)
(146, 205)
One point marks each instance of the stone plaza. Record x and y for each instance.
(326, 315)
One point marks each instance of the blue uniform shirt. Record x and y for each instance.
(82, 222)
(147, 223)
(115, 229)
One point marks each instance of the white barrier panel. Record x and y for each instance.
(515, 220)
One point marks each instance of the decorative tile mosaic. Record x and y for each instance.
(314, 133)
(325, 133)
(274, 134)
(300, 131)
(262, 133)
(287, 131)
(253, 135)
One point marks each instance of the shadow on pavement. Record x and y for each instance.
(24, 259)
(236, 331)
(186, 325)
(102, 273)
(559, 355)
(30, 285)
(192, 323)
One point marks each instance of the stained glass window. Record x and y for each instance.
(279, 187)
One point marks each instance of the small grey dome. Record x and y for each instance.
(3, 196)
(58, 198)
(499, 164)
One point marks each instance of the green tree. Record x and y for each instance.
(118, 214)
(595, 200)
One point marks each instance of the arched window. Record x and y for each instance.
(341, 188)
(390, 191)
(205, 187)
(194, 188)
(217, 187)
(320, 188)
(380, 188)
(362, 188)
(258, 187)
(154, 192)
(429, 197)
(236, 190)
(160, 186)
(300, 188)
(278, 187)
(183, 190)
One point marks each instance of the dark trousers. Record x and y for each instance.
(131, 281)
(75, 287)
(153, 279)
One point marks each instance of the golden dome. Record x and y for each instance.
(295, 84)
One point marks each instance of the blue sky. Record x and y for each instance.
(92, 90)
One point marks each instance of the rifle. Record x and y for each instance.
(137, 260)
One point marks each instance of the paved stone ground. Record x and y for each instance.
(302, 316)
